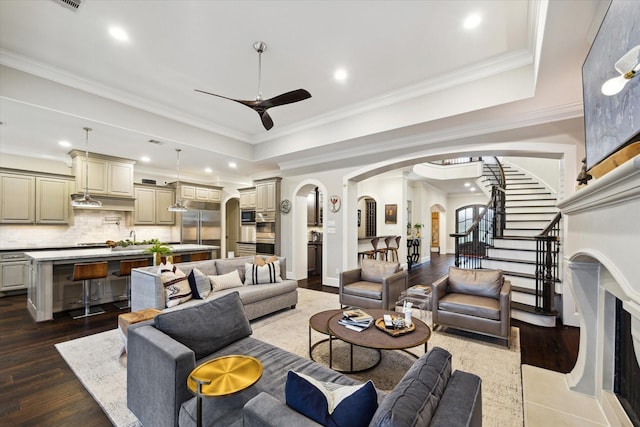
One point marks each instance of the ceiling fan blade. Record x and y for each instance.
(285, 98)
(249, 104)
(267, 122)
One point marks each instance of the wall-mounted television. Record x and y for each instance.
(611, 122)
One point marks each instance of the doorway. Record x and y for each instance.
(232, 221)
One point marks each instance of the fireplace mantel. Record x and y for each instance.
(601, 236)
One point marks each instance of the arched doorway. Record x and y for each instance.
(232, 226)
(308, 231)
(437, 227)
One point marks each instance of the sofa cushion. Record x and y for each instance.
(471, 305)
(369, 290)
(257, 275)
(373, 270)
(331, 404)
(207, 327)
(176, 287)
(416, 397)
(480, 282)
(199, 283)
(226, 281)
(227, 265)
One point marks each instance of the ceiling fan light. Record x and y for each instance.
(177, 207)
(84, 200)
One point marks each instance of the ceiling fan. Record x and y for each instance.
(260, 105)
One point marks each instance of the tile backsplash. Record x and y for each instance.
(86, 227)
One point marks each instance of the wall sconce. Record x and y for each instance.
(628, 67)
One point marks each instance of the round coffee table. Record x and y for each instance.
(374, 338)
(223, 376)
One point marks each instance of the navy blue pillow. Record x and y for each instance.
(199, 283)
(309, 397)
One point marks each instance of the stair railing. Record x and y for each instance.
(547, 257)
(471, 245)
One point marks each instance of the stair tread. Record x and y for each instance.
(524, 275)
(530, 309)
(515, 238)
(517, 261)
(513, 249)
(529, 291)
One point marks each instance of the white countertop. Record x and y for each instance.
(69, 254)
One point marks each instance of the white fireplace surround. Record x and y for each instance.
(601, 235)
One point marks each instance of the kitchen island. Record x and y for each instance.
(50, 291)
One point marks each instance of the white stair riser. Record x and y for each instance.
(521, 183)
(523, 298)
(514, 244)
(530, 209)
(546, 217)
(507, 254)
(531, 197)
(523, 282)
(534, 319)
(534, 203)
(521, 233)
(525, 190)
(526, 224)
(509, 266)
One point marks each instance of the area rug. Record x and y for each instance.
(95, 361)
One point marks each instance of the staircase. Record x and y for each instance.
(529, 208)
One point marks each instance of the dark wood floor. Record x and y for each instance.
(37, 388)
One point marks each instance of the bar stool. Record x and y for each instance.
(385, 251)
(394, 250)
(88, 272)
(125, 271)
(374, 252)
(200, 256)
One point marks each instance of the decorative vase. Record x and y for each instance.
(157, 259)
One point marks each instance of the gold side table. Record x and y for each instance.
(222, 376)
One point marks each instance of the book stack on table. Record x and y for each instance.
(356, 319)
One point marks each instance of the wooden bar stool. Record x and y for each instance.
(385, 251)
(200, 256)
(374, 252)
(394, 250)
(88, 272)
(125, 271)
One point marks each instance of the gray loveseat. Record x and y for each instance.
(147, 289)
(162, 352)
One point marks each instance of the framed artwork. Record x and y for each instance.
(611, 122)
(390, 214)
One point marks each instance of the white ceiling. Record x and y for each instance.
(412, 68)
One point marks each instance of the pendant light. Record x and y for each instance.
(85, 200)
(177, 206)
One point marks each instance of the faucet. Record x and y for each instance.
(132, 233)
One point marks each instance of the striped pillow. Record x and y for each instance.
(258, 275)
(176, 287)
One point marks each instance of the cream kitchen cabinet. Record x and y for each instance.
(267, 195)
(247, 198)
(150, 206)
(200, 193)
(29, 199)
(111, 176)
(14, 271)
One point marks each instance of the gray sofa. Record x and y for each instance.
(147, 289)
(162, 352)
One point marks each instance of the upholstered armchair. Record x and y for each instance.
(473, 300)
(377, 284)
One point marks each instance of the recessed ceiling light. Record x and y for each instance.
(340, 75)
(466, 184)
(472, 189)
(208, 170)
(119, 34)
(64, 143)
(145, 159)
(472, 21)
(233, 165)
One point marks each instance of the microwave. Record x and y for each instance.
(247, 217)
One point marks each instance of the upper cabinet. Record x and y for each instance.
(34, 199)
(198, 192)
(267, 194)
(151, 205)
(110, 176)
(247, 198)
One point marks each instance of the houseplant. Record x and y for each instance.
(418, 227)
(158, 250)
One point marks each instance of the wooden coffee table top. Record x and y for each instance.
(375, 338)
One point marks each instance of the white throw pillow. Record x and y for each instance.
(226, 281)
(258, 275)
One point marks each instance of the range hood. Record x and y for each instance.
(109, 203)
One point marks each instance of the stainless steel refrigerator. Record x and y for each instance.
(201, 224)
